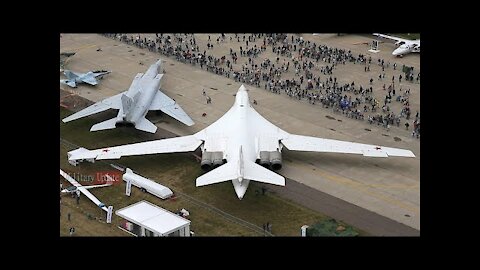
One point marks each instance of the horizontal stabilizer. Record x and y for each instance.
(69, 83)
(109, 124)
(145, 125)
(223, 173)
(258, 173)
(230, 171)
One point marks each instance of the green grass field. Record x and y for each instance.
(178, 172)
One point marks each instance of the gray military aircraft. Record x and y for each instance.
(89, 77)
(143, 95)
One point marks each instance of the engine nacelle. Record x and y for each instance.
(265, 158)
(217, 158)
(276, 160)
(271, 159)
(211, 159)
(206, 162)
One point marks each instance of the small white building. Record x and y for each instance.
(146, 219)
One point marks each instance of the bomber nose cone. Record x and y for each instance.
(242, 88)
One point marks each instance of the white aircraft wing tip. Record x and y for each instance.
(410, 154)
(68, 119)
(190, 123)
(81, 153)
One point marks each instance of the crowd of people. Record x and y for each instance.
(312, 65)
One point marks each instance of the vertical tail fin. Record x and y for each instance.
(127, 103)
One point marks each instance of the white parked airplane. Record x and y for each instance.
(83, 190)
(143, 95)
(405, 45)
(241, 137)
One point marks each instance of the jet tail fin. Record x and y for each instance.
(145, 125)
(109, 124)
(127, 103)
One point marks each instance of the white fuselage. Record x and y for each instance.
(241, 137)
(239, 128)
(408, 47)
(142, 91)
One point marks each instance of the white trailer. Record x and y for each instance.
(147, 185)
